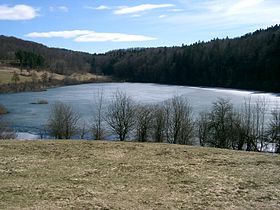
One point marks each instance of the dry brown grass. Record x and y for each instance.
(117, 175)
(87, 77)
(6, 74)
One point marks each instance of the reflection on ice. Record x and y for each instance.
(26, 136)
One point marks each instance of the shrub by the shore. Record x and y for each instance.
(3, 110)
(42, 101)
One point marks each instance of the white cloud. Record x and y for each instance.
(243, 5)
(175, 10)
(112, 37)
(140, 8)
(91, 36)
(162, 16)
(227, 14)
(17, 12)
(58, 34)
(135, 15)
(63, 8)
(101, 7)
(59, 8)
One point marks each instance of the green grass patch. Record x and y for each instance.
(5, 77)
(122, 175)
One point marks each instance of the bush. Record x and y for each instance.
(62, 123)
(40, 102)
(120, 115)
(144, 119)
(3, 110)
(179, 123)
(274, 128)
(5, 131)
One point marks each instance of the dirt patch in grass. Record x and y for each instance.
(122, 175)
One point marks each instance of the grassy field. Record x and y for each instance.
(116, 175)
(6, 74)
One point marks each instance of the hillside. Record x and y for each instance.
(61, 61)
(115, 175)
(38, 80)
(250, 62)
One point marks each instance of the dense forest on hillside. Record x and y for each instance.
(248, 62)
(57, 60)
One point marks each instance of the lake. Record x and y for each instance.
(31, 118)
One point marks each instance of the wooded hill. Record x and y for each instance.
(248, 62)
(61, 61)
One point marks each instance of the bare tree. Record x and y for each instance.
(34, 77)
(254, 124)
(274, 128)
(158, 125)
(179, 129)
(44, 78)
(260, 111)
(221, 124)
(83, 129)
(62, 122)
(238, 131)
(144, 117)
(5, 131)
(120, 115)
(202, 124)
(221, 127)
(98, 130)
(15, 78)
(247, 123)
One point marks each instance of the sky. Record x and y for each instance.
(98, 26)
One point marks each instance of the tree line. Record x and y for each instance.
(34, 55)
(29, 59)
(251, 61)
(248, 62)
(172, 121)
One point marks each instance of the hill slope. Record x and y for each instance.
(248, 62)
(114, 175)
(251, 61)
(57, 60)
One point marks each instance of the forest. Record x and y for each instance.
(251, 61)
(248, 62)
(32, 55)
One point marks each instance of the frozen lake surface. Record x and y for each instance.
(31, 118)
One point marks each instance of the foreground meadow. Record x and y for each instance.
(123, 175)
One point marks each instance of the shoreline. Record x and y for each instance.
(108, 79)
(39, 87)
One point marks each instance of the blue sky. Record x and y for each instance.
(98, 26)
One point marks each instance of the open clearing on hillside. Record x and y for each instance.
(123, 175)
(6, 74)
